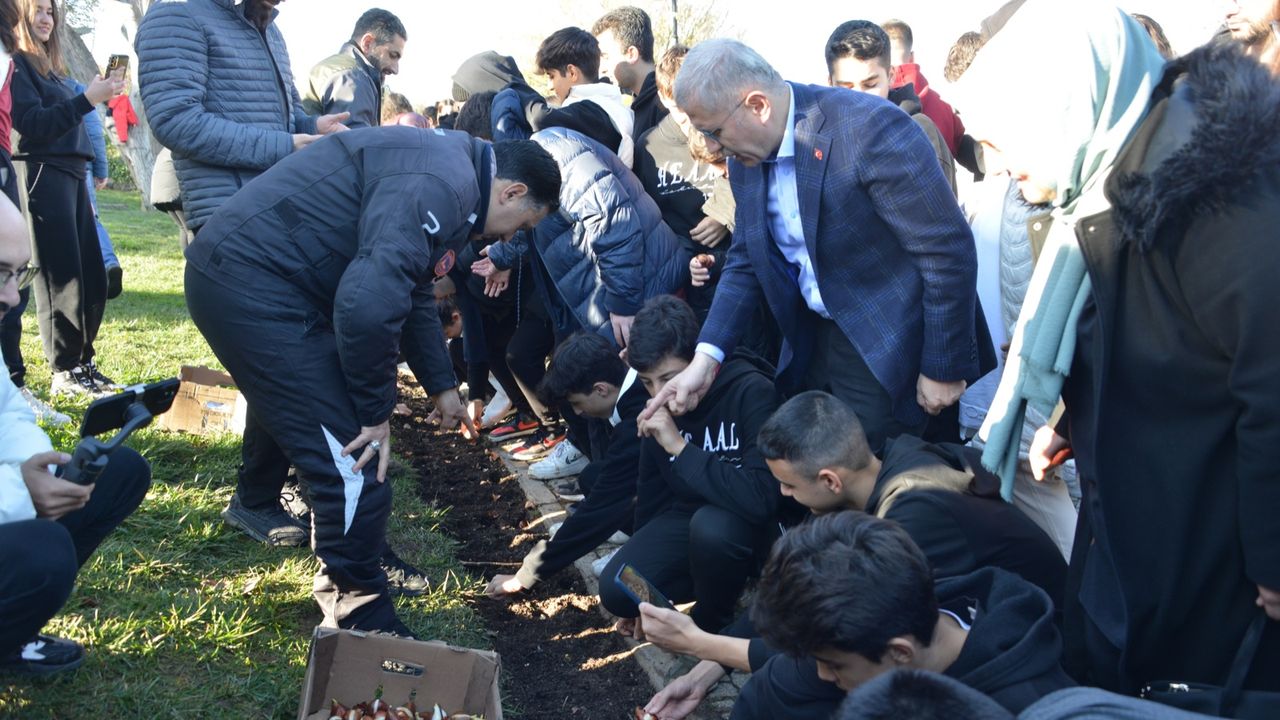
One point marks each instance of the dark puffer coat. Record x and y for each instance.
(607, 250)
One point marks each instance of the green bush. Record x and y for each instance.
(118, 169)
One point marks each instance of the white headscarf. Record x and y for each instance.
(1059, 91)
(1060, 88)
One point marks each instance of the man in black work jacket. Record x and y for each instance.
(308, 284)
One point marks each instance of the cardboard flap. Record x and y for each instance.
(205, 376)
(351, 666)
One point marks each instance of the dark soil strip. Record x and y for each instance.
(560, 657)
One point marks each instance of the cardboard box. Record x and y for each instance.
(349, 666)
(207, 403)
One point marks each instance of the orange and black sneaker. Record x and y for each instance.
(520, 426)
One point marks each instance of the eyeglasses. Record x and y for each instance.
(23, 275)
(715, 134)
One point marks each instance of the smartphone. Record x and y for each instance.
(117, 62)
(110, 413)
(639, 589)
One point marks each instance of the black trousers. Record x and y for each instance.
(264, 468)
(705, 554)
(71, 288)
(284, 357)
(787, 687)
(527, 351)
(11, 321)
(838, 368)
(11, 339)
(39, 559)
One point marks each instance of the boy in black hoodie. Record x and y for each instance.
(939, 494)
(854, 592)
(587, 374)
(707, 508)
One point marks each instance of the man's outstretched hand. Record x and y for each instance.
(450, 411)
(684, 391)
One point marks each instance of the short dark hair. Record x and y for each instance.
(666, 326)
(570, 46)
(920, 695)
(580, 362)
(476, 116)
(815, 430)
(861, 39)
(526, 161)
(446, 307)
(384, 26)
(664, 75)
(631, 26)
(961, 55)
(849, 582)
(900, 31)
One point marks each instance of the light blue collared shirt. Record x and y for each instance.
(783, 216)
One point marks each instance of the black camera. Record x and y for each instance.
(130, 409)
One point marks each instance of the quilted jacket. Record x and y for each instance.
(220, 94)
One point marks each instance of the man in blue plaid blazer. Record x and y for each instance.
(848, 230)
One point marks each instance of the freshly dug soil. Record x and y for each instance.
(560, 656)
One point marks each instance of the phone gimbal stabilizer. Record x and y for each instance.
(129, 410)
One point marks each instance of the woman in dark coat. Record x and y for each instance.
(71, 288)
(1166, 257)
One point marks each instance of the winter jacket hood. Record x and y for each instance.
(519, 111)
(1218, 134)
(485, 72)
(913, 464)
(609, 98)
(1013, 647)
(607, 250)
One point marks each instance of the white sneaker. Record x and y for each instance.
(496, 411)
(597, 566)
(45, 412)
(564, 460)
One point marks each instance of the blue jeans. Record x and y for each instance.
(104, 240)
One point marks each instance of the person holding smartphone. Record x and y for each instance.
(11, 321)
(49, 527)
(71, 287)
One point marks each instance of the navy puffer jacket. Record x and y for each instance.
(607, 250)
(220, 94)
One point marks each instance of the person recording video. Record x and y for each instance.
(49, 527)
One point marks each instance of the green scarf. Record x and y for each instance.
(1059, 91)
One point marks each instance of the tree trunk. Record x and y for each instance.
(140, 151)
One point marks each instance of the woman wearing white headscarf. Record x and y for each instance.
(1152, 313)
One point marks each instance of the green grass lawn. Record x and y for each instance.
(184, 618)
